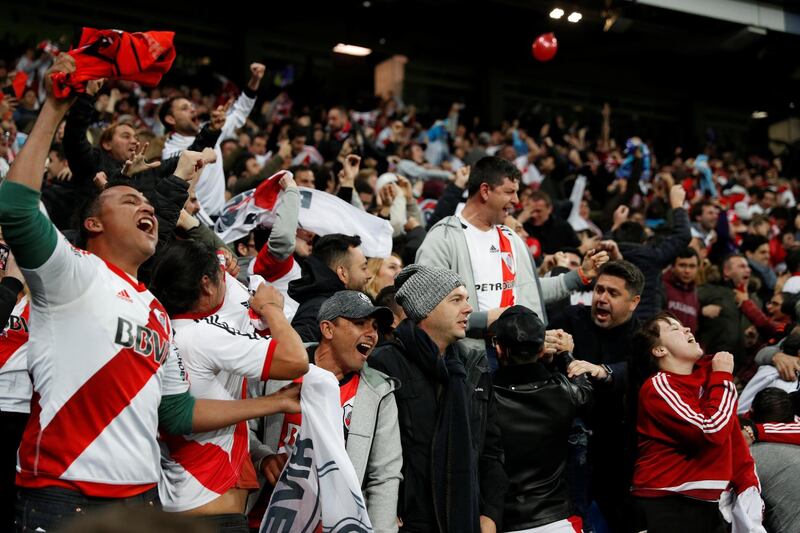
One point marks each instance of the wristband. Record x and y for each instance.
(583, 277)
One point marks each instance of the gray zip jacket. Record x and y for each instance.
(445, 246)
(373, 444)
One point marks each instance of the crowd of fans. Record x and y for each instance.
(530, 357)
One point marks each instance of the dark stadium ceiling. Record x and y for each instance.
(646, 49)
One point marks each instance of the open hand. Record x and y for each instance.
(138, 163)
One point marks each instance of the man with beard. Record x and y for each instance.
(335, 264)
(494, 262)
(180, 119)
(602, 334)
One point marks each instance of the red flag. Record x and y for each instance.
(19, 82)
(114, 54)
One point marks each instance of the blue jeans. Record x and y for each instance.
(50, 508)
(578, 471)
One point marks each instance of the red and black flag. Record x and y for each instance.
(143, 57)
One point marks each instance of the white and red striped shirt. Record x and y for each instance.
(278, 273)
(494, 266)
(100, 356)
(221, 350)
(689, 437)
(15, 383)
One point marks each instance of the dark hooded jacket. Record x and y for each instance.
(317, 283)
(653, 258)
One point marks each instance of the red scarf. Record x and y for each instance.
(114, 54)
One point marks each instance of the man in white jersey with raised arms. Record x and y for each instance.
(105, 375)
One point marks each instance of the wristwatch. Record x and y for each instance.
(609, 373)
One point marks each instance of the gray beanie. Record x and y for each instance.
(421, 288)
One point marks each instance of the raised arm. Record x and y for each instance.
(244, 104)
(666, 250)
(83, 158)
(289, 360)
(709, 425)
(281, 241)
(30, 235)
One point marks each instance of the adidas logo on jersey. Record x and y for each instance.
(123, 295)
(493, 249)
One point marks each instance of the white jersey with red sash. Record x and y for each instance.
(221, 350)
(494, 266)
(15, 383)
(101, 358)
(292, 421)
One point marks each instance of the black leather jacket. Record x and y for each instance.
(535, 410)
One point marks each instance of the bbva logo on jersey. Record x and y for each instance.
(142, 340)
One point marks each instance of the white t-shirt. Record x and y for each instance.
(494, 265)
(101, 357)
(15, 383)
(792, 285)
(221, 350)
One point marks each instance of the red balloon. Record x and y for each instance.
(545, 47)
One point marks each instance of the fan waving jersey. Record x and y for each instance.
(221, 350)
(100, 357)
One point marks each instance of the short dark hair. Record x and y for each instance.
(166, 109)
(686, 253)
(630, 273)
(791, 344)
(644, 341)
(630, 231)
(491, 170)
(58, 148)
(243, 240)
(751, 243)
(772, 405)
(387, 298)
(178, 274)
(697, 209)
(793, 261)
(322, 175)
(240, 164)
(363, 186)
(727, 259)
(296, 131)
(90, 207)
(571, 250)
(540, 195)
(294, 169)
(332, 249)
(108, 133)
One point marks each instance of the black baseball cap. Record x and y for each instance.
(519, 328)
(354, 305)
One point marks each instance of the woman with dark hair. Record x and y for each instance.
(690, 446)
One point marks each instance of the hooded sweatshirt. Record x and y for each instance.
(317, 283)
